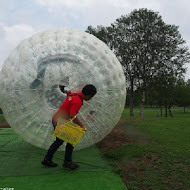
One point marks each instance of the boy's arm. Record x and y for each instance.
(77, 121)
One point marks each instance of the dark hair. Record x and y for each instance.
(89, 89)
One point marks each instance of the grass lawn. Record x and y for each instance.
(159, 155)
(2, 118)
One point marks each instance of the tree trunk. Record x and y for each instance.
(132, 99)
(166, 110)
(158, 111)
(142, 104)
(170, 112)
(161, 111)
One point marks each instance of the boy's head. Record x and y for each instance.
(89, 91)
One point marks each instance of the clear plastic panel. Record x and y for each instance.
(31, 76)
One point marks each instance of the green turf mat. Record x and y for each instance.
(20, 168)
(18, 158)
(75, 180)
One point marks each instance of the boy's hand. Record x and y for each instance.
(83, 127)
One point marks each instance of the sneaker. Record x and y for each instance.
(48, 163)
(71, 165)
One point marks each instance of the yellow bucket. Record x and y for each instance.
(69, 132)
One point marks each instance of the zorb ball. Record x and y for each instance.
(30, 79)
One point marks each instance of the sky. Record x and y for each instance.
(20, 19)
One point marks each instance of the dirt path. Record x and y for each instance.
(115, 139)
(4, 124)
(123, 134)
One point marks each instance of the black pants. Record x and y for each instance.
(56, 144)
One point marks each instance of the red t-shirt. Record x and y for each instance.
(71, 105)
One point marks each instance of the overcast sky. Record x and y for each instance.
(22, 18)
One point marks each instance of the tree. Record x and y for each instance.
(183, 96)
(147, 48)
(102, 33)
(167, 90)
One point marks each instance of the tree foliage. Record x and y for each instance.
(152, 53)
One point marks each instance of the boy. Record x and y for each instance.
(68, 109)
